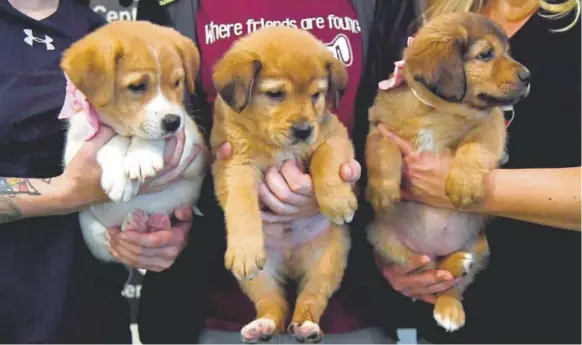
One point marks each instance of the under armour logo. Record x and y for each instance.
(30, 39)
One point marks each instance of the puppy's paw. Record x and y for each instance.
(307, 332)
(337, 202)
(137, 220)
(465, 188)
(245, 262)
(382, 194)
(259, 330)
(143, 164)
(458, 263)
(159, 222)
(116, 184)
(449, 313)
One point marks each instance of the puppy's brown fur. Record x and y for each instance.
(460, 69)
(268, 83)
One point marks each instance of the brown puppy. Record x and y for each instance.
(458, 73)
(275, 89)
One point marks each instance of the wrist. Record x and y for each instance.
(489, 199)
(66, 196)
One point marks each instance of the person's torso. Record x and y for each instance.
(37, 254)
(334, 22)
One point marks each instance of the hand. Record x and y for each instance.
(154, 251)
(423, 285)
(423, 174)
(287, 195)
(172, 168)
(80, 183)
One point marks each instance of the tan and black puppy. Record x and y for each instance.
(457, 73)
(275, 89)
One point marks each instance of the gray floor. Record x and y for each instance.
(365, 336)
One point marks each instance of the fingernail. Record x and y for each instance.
(348, 172)
(424, 260)
(123, 236)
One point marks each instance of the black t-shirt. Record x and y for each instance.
(530, 291)
(51, 289)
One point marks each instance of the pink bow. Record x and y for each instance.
(397, 78)
(75, 101)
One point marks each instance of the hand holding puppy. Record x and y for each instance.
(287, 195)
(154, 250)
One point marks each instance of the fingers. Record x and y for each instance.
(430, 289)
(404, 146)
(184, 214)
(166, 176)
(351, 172)
(279, 185)
(420, 283)
(275, 204)
(178, 151)
(224, 151)
(172, 237)
(296, 181)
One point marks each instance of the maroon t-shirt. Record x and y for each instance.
(219, 24)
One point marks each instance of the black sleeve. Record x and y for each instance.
(151, 10)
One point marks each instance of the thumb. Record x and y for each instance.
(93, 145)
(224, 151)
(402, 144)
(184, 213)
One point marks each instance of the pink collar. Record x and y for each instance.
(75, 102)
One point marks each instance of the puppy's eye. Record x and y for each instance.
(486, 55)
(177, 83)
(137, 87)
(315, 97)
(275, 95)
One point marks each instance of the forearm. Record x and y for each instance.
(24, 198)
(544, 196)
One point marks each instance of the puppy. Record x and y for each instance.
(458, 73)
(131, 76)
(275, 87)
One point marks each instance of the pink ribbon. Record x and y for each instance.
(397, 77)
(74, 102)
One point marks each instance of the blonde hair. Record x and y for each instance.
(553, 10)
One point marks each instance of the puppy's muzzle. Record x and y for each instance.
(171, 123)
(302, 131)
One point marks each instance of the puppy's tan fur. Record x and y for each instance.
(448, 66)
(268, 82)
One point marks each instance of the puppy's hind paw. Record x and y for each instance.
(449, 313)
(306, 333)
(137, 220)
(258, 330)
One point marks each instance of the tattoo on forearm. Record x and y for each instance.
(17, 185)
(9, 210)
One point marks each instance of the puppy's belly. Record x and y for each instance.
(183, 192)
(293, 234)
(432, 231)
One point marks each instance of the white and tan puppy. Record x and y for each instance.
(131, 76)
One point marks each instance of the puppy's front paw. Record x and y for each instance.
(116, 185)
(337, 202)
(245, 262)
(465, 188)
(382, 194)
(449, 313)
(142, 164)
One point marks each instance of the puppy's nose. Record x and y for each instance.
(170, 122)
(525, 76)
(302, 130)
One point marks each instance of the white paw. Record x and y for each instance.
(116, 184)
(450, 315)
(308, 332)
(142, 164)
(468, 260)
(260, 329)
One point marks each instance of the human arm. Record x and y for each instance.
(544, 196)
(76, 188)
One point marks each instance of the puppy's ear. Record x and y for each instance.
(337, 78)
(190, 60)
(91, 67)
(234, 78)
(439, 66)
